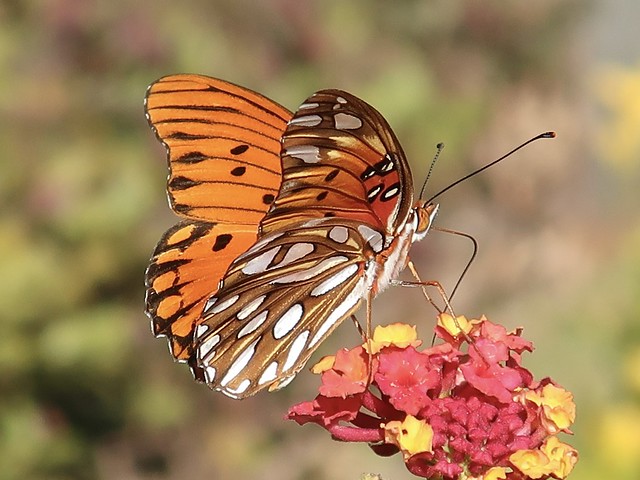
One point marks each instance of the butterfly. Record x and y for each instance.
(290, 222)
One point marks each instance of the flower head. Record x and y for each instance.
(465, 408)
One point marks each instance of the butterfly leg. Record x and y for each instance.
(442, 293)
(356, 322)
(423, 285)
(368, 336)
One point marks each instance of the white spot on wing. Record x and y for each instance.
(306, 121)
(240, 362)
(210, 374)
(339, 234)
(201, 329)
(222, 306)
(295, 350)
(260, 263)
(258, 245)
(253, 324)
(210, 303)
(283, 382)
(296, 252)
(269, 374)
(388, 166)
(373, 237)
(250, 307)
(241, 388)
(313, 271)
(205, 348)
(373, 192)
(392, 192)
(288, 321)
(335, 280)
(306, 153)
(340, 312)
(307, 106)
(345, 121)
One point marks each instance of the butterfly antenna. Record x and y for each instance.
(481, 169)
(439, 147)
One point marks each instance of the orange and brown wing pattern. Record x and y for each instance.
(223, 144)
(341, 159)
(186, 268)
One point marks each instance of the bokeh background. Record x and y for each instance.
(86, 392)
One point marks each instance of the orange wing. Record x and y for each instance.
(185, 270)
(223, 146)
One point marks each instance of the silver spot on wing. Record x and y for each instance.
(295, 350)
(210, 374)
(250, 307)
(306, 153)
(339, 312)
(344, 121)
(253, 324)
(306, 121)
(201, 329)
(207, 346)
(261, 262)
(339, 234)
(373, 237)
(288, 321)
(307, 106)
(269, 374)
(309, 273)
(222, 306)
(335, 280)
(240, 362)
(296, 252)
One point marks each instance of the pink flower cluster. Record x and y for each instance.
(465, 408)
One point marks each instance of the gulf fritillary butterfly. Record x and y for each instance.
(290, 221)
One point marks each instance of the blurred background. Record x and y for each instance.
(86, 392)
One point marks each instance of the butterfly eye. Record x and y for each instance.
(425, 214)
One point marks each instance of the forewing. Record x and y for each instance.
(279, 301)
(340, 158)
(223, 144)
(185, 270)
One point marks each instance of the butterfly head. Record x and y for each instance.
(424, 214)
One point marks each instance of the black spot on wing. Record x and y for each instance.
(181, 183)
(268, 199)
(368, 173)
(238, 171)
(221, 242)
(331, 175)
(321, 196)
(239, 149)
(192, 157)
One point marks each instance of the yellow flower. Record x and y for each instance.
(552, 458)
(495, 473)
(532, 463)
(456, 326)
(411, 436)
(397, 334)
(324, 364)
(558, 407)
(563, 457)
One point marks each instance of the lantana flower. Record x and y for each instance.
(465, 408)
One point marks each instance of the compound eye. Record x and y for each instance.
(426, 214)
